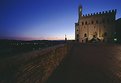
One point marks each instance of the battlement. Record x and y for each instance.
(101, 13)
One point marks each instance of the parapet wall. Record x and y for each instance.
(101, 13)
(33, 67)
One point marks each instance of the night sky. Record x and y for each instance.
(46, 19)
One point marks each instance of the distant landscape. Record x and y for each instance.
(13, 47)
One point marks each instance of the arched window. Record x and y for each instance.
(85, 35)
(94, 34)
(82, 23)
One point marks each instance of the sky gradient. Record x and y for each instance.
(46, 19)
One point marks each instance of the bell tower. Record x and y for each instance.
(80, 11)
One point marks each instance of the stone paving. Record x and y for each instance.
(32, 67)
(90, 63)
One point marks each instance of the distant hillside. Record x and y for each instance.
(13, 47)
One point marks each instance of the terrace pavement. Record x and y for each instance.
(90, 63)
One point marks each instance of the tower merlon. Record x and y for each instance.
(109, 11)
(88, 14)
(115, 10)
(100, 13)
(106, 12)
(103, 12)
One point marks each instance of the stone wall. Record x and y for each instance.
(32, 67)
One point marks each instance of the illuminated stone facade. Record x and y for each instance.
(100, 26)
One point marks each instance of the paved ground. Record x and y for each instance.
(90, 63)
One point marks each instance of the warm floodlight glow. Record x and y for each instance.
(115, 39)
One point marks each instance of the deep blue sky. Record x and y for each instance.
(46, 19)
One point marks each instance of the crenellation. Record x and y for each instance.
(103, 12)
(109, 11)
(106, 12)
(113, 11)
(100, 13)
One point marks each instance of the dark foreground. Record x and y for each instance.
(90, 63)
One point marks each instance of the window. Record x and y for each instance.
(85, 35)
(86, 23)
(82, 23)
(77, 37)
(92, 22)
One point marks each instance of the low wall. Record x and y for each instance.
(32, 67)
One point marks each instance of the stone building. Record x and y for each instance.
(95, 27)
(118, 30)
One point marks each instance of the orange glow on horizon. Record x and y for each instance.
(40, 38)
